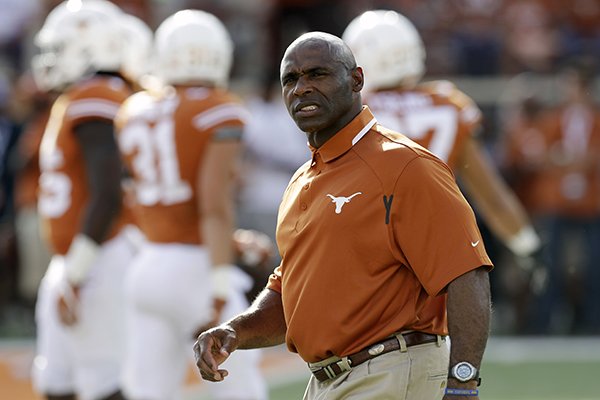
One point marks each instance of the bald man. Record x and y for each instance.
(381, 257)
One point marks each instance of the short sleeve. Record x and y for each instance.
(224, 119)
(434, 226)
(99, 99)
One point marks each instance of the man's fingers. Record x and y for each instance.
(203, 351)
(216, 377)
(209, 369)
(210, 352)
(228, 346)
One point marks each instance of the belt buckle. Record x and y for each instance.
(343, 364)
(376, 350)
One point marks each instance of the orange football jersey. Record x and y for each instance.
(162, 139)
(436, 115)
(63, 186)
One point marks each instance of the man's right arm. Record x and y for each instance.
(261, 325)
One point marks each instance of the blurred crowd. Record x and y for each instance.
(543, 133)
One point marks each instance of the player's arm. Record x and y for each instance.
(102, 165)
(468, 308)
(495, 201)
(103, 171)
(261, 325)
(217, 176)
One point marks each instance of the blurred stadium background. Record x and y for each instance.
(502, 53)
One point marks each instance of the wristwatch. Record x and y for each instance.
(464, 372)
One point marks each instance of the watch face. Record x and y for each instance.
(464, 371)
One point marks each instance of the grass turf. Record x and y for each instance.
(512, 381)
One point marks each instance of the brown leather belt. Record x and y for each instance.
(335, 369)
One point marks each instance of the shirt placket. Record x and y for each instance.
(305, 196)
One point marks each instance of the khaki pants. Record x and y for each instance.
(417, 373)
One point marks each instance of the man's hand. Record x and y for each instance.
(68, 304)
(211, 349)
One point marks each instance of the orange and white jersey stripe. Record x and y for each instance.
(163, 138)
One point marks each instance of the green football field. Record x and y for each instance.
(521, 381)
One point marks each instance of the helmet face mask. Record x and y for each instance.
(46, 72)
(76, 40)
(388, 47)
(193, 46)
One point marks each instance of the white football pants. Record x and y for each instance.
(169, 297)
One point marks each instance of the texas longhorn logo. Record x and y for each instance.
(341, 200)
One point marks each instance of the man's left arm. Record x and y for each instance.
(469, 309)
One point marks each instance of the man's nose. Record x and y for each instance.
(303, 86)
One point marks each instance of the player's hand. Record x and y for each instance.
(253, 249)
(217, 312)
(211, 349)
(68, 304)
(535, 267)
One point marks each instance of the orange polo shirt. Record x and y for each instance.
(370, 231)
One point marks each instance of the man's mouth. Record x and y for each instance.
(306, 110)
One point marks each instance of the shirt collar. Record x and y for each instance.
(347, 137)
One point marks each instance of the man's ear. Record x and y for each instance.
(358, 79)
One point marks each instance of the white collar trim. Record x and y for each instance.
(363, 131)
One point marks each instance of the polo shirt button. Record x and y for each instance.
(306, 186)
(303, 206)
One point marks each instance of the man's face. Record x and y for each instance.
(317, 89)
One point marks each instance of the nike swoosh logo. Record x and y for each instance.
(474, 244)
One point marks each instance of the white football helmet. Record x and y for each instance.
(193, 46)
(138, 41)
(79, 37)
(388, 48)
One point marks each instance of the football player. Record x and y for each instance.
(181, 145)
(436, 115)
(79, 310)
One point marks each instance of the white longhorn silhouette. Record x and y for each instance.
(341, 200)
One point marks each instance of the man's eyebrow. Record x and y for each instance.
(318, 68)
(290, 74)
